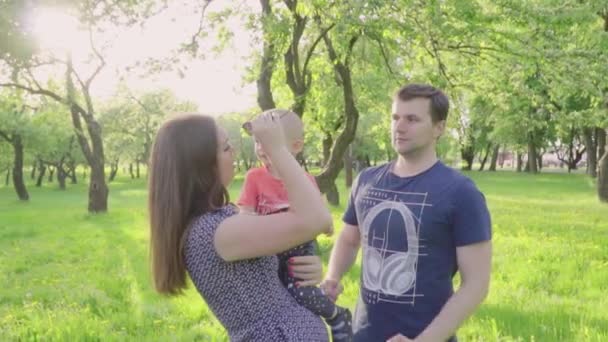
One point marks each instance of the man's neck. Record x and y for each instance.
(411, 165)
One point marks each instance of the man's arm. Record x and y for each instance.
(474, 264)
(342, 257)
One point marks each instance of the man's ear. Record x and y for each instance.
(439, 129)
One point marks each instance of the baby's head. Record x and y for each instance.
(293, 129)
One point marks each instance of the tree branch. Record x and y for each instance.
(6, 136)
(99, 56)
(314, 45)
(39, 91)
(385, 57)
(194, 40)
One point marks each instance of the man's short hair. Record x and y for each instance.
(440, 104)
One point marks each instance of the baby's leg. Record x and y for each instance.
(310, 297)
(313, 298)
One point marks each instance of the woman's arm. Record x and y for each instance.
(245, 236)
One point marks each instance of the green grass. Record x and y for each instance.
(68, 275)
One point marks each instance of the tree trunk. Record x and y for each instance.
(485, 158)
(137, 169)
(51, 174)
(18, 182)
(8, 177)
(601, 142)
(113, 170)
(33, 173)
(326, 179)
(602, 179)
(520, 161)
(539, 159)
(98, 190)
(494, 159)
(532, 158)
(131, 171)
(468, 155)
(348, 166)
(265, 100)
(591, 148)
(41, 172)
(333, 196)
(93, 151)
(72, 175)
(327, 143)
(61, 176)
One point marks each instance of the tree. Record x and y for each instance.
(14, 126)
(242, 144)
(130, 121)
(54, 145)
(75, 95)
(602, 181)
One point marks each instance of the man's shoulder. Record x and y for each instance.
(458, 181)
(451, 174)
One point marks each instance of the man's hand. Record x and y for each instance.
(399, 338)
(332, 288)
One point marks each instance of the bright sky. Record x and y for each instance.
(215, 84)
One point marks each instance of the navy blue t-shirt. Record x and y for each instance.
(410, 228)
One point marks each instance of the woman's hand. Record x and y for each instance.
(267, 129)
(307, 268)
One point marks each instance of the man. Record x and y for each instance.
(418, 222)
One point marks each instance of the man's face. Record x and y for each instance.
(412, 127)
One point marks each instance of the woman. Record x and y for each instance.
(230, 257)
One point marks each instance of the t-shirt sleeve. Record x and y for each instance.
(249, 192)
(471, 221)
(350, 214)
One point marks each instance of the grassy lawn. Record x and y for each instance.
(68, 275)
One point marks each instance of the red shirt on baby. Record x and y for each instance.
(263, 192)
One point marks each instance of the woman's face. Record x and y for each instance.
(225, 157)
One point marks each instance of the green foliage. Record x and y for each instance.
(129, 122)
(242, 144)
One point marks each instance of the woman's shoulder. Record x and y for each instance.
(209, 221)
(201, 230)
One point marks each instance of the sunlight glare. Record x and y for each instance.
(57, 31)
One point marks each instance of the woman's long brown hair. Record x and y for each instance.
(183, 183)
